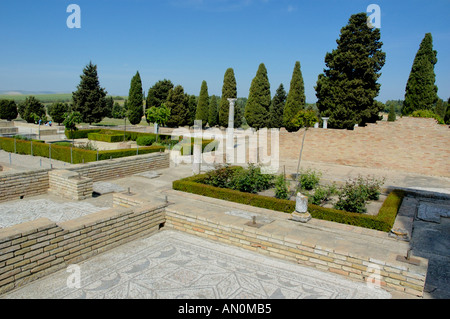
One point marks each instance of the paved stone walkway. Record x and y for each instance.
(172, 265)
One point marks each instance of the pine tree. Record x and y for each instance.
(8, 110)
(421, 91)
(296, 100)
(58, 112)
(202, 112)
(158, 93)
(447, 114)
(177, 103)
(30, 108)
(347, 89)
(277, 108)
(213, 115)
(259, 100)
(89, 99)
(229, 91)
(135, 100)
(440, 108)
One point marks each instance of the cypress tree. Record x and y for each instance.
(347, 89)
(135, 100)
(177, 103)
(277, 108)
(259, 100)
(229, 91)
(296, 100)
(421, 91)
(392, 116)
(89, 99)
(191, 101)
(202, 113)
(213, 115)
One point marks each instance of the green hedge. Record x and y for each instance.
(382, 222)
(109, 138)
(63, 153)
(132, 136)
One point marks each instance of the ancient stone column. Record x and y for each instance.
(325, 122)
(230, 133)
(301, 209)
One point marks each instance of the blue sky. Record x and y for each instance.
(188, 41)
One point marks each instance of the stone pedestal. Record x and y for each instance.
(301, 209)
(325, 122)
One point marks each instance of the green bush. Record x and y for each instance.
(355, 194)
(109, 138)
(309, 179)
(281, 188)
(323, 194)
(68, 154)
(428, 114)
(146, 140)
(382, 222)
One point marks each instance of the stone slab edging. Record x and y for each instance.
(354, 252)
(31, 250)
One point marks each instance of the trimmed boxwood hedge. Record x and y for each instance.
(131, 136)
(382, 222)
(63, 153)
(109, 138)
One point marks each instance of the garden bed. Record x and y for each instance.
(383, 221)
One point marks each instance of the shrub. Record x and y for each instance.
(382, 222)
(323, 194)
(428, 114)
(309, 179)
(146, 140)
(251, 180)
(357, 192)
(109, 138)
(281, 188)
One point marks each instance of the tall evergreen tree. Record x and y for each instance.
(421, 91)
(135, 100)
(8, 110)
(191, 101)
(347, 89)
(158, 93)
(447, 113)
(229, 91)
(296, 100)
(58, 111)
(277, 108)
(213, 114)
(202, 113)
(259, 100)
(30, 108)
(89, 99)
(177, 103)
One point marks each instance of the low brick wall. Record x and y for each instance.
(70, 185)
(119, 167)
(15, 185)
(397, 276)
(32, 250)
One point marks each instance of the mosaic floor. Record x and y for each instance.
(17, 212)
(173, 265)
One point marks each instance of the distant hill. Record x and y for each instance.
(21, 92)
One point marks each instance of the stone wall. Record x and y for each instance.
(70, 185)
(415, 145)
(398, 276)
(34, 249)
(15, 185)
(120, 167)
